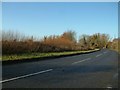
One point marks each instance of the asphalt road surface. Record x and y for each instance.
(94, 70)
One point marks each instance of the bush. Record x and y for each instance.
(16, 43)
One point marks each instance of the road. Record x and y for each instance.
(94, 70)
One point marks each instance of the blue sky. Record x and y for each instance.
(49, 18)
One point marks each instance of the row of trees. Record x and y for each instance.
(16, 43)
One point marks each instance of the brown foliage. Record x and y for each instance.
(15, 43)
(27, 45)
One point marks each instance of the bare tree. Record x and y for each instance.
(71, 35)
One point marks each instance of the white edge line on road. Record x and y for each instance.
(98, 55)
(24, 76)
(81, 61)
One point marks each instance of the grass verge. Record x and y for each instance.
(41, 55)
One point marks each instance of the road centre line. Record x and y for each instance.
(87, 59)
(104, 52)
(24, 76)
(109, 87)
(81, 61)
(115, 75)
(98, 55)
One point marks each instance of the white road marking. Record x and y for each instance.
(98, 55)
(104, 52)
(81, 61)
(109, 86)
(24, 76)
(115, 75)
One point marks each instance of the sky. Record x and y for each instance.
(53, 18)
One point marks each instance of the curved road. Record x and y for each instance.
(94, 70)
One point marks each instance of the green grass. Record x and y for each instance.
(40, 55)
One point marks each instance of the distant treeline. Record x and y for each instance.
(16, 43)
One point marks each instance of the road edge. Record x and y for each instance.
(10, 62)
